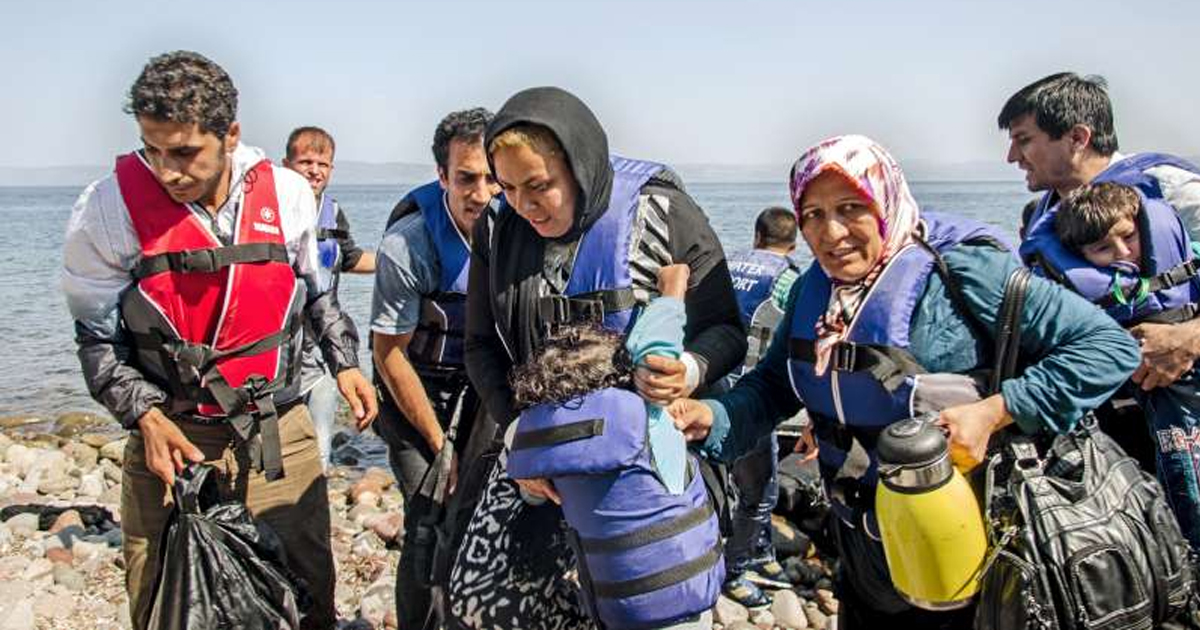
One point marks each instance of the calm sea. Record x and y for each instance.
(39, 374)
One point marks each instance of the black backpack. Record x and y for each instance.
(1081, 536)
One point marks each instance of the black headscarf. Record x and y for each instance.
(582, 139)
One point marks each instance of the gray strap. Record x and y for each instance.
(650, 534)
(660, 580)
(561, 434)
(210, 259)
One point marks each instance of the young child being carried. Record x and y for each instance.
(640, 520)
(1137, 263)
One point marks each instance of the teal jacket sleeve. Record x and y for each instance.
(1074, 356)
(761, 399)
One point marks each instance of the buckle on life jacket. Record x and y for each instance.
(556, 310)
(266, 453)
(194, 260)
(843, 356)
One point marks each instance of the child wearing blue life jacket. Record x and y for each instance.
(1147, 261)
(644, 532)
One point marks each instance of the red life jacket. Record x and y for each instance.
(219, 316)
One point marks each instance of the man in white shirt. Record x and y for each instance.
(158, 258)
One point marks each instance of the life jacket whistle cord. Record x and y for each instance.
(211, 321)
(1166, 289)
(647, 558)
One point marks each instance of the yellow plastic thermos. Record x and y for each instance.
(932, 527)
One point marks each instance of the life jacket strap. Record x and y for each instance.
(650, 534)
(210, 259)
(887, 365)
(266, 453)
(556, 310)
(660, 580)
(1173, 277)
(324, 234)
(561, 434)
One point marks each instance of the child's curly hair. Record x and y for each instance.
(574, 360)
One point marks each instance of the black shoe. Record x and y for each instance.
(745, 592)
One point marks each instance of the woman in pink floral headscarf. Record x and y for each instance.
(895, 314)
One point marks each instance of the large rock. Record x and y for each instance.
(388, 527)
(6, 536)
(378, 599)
(788, 609)
(60, 555)
(378, 476)
(84, 550)
(11, 567)
(38, 570)
(98, 440)
(728, 611)
(54, 605)
(5, 442)
(827, 601)
(114, 451)
(741, 625)
(762, 619)
(23, 524)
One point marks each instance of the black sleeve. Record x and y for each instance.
(112, 379)
(351, 252)
(714, 331)
(335, 332)
(488, 363)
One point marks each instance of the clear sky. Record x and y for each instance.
(689, 81)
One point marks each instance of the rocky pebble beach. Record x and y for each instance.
(61, 562)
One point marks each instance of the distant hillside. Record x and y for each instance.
(351, 173)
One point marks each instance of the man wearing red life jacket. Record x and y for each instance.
(188, 272)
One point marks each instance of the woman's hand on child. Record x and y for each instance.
(673, 280)
(661, 380)
(692, 417)
(540, 488)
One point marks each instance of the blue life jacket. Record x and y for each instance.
(437, 342)
(873, 379)
(600, 287)
(646, 557)
(754, 275)
(330, 252)
(1166, 289)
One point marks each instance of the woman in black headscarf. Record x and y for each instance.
(582, 236)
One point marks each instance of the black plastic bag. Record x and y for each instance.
(220, 567)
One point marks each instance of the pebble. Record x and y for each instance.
(6, 536)
(360, 513)
(377, 601)
(83, 455)
(13, 422)
(84, 550)
(68, 577)
(38, 570)
(741, 625)
(763, 619)
(114, 451)
(92, 485)
(17, 616)
(60, 555)
(788, 610)
(112, 472)
(23, 524)
(827, 600)
(21, 458)
(387, 526)
(98, 440)
(66, 519)
(816, 618)
(69, 535)
(378, 476)
(5, 442)
(364, 497)
(728, 611)
(11, 568)
(833, 622)
(54, 605)
(788, 540)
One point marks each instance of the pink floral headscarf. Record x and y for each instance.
(878, 178)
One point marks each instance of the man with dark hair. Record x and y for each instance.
(188, 272)
(762, 280)
(310, 152)
(1061, 133)
(417, 322)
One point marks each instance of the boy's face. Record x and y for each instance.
(1121, 244)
